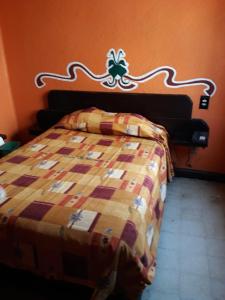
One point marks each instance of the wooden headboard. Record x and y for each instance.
(170, 110)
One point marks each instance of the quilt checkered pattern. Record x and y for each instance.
(85, 207)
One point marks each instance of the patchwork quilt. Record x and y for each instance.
(84, 201)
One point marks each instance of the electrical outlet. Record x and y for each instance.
(204, 102)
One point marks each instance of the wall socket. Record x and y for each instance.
(204, 102)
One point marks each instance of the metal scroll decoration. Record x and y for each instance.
(117, 75)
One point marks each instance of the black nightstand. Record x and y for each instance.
(192, 133)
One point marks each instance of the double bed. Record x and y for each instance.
(84, 199)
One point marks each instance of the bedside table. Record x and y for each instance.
(191, 133)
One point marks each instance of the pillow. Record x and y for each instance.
(95, 120)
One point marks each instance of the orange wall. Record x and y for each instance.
(8, 121)
(45, 35)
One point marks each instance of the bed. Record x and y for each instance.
(85, 198)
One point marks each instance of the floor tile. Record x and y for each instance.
(169, 241)
(193, 202)
(192, 245)
(216, 247)
(217, 268)
(195, 264)
(158, 295)
(166, 281)
(168, 259)
(193, 287)
(215, 230)
(172, 211)
(173, 199)
(217, 289)
(213, 214)
(190, 214)
(193, 228)
(171, 225)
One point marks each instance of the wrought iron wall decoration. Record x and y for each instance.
(117, 75)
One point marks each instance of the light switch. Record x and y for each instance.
(204, 102)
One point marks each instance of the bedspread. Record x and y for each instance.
(85, 208)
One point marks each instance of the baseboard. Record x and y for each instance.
(197, 174)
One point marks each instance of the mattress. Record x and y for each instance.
(85, 206)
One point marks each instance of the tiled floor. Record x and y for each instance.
(191, 254)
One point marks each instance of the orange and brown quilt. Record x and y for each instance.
(85, 200)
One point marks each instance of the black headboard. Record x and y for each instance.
(150, 105)
(170, 110)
